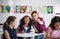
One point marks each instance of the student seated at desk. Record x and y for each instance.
(53, 31)
(25, 25)
(8, 28)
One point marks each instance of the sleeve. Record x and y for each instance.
(43, 26)
(42, 21)
(48, 32)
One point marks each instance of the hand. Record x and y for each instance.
(22, 31)
(36, 30)
(39, 21)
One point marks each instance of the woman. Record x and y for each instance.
(39, 23)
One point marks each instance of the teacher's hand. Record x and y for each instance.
(39, 21)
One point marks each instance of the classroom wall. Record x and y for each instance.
(47, 17)
(30, 2)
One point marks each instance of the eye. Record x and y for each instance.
(56, 25)
(35, 15)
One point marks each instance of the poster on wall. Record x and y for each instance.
(45, 9)
(7, 8)
(18, 9)
(29, 9)
(50, 9)
(1, 8)
(34, 8)
(13, 10)
(23, 9)
(42, 9)
(26, 9)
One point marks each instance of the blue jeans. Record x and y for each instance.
(38, 37)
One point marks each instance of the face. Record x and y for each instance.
(26, 20)
(35, 17)
(14, 23)
(57, 25)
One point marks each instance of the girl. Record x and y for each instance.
(25, 25)
(8, 28)
(53, 31)
(39, 23)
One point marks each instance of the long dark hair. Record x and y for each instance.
(22, 21)
(8, 21)
(53, 21)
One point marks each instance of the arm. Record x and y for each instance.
(48, 34)
(48, 31)
(7, 35)
(35, 29)
(18, 30)
(40, 22)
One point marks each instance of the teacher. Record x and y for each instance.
(39, 23)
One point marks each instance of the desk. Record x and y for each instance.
(25, 35)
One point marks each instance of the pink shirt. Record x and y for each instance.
(54, 33)
(40, 27)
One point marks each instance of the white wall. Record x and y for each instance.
(30, 2)
(57, 8)
(35, 2)
(47, 17)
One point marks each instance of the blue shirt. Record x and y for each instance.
(12, 33)
(26, 31)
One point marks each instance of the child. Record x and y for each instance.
(53, 31)
(25, 25)
(8, 28)
(39, 23)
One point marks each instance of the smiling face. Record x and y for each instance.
(35, 16)
(57, 25)
(26, 20)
